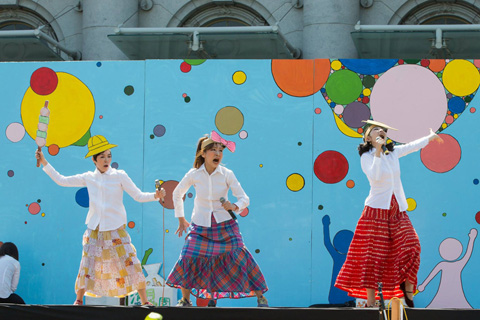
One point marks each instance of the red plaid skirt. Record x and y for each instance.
(385, 248)
(215, 264)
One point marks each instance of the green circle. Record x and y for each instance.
(468, 99)
(444, 214)
(320, 207)
(299, 143)
(412, 61)
(257, 250)
(187, 99)
(343, 87)
(152, 136)
(290, 239)
(368, 81)
(128, 90)
(195, 62)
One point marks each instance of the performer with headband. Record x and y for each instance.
(385, 247)
(214, 262)
(109, 265)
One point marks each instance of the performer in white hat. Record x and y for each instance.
(385, 247)
(109, 265)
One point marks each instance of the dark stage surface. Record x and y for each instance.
(64, 312)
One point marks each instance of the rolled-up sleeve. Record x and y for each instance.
(77, 180)
(179, 192)
(129, 186)
(242, 199)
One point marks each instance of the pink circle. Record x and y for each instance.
(411, 99)
(34, 208)
(472, 110)
(441, 156)
(15, 132)
(338, 109)
(185, 67)
(243, 134)
(184, 95)
(318, 110)
(244, 213)
(476, 63)
(279, 95)
(449, 119)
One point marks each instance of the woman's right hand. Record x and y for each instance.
(39, 156)
(182, 226)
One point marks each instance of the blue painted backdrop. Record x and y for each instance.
(296, 128)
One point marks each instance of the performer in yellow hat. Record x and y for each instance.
(109, 265)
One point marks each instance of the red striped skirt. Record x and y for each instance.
(385, 248)
(215, 264)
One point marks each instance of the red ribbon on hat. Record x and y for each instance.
(230, 145)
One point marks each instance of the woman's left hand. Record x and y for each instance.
(160, 194)
(435, 137)
(227, 205)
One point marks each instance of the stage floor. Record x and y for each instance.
(69, 312)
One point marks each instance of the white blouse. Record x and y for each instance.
(105, 192)
(9, 275)
(209, 189)
(383, 173)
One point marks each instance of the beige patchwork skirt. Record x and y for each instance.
(109, 265)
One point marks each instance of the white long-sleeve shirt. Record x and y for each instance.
(383, 173)
(105, 192)
(209, 189)
(9, 275)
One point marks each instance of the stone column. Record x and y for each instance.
(326, 28)
(100, 18)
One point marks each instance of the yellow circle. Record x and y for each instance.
(239, 77)
(366, 92)
(261, 165)
(43, 214)
(229, 120)
(461, 77)
(336, 65)
(444, 125)
(295, 182)
(455, 116)
(412, 204)
(328, 101)
(71, 106)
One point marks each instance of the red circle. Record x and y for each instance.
(472, 110)
(131, 224)
(43, 81)
(330, 167)
(280, 95)
(244, 213)
(425, 63)
(53, 149)
(477, 217)
(441, 156)
(318, 110)
(365, 100)
(185, 67)
(34, 208)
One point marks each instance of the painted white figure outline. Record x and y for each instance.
(450, 291)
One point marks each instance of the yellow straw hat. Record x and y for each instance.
(98, 144)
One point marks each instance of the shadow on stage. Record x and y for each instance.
(69, 312)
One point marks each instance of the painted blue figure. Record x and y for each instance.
(338, 252)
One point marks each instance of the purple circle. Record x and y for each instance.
(354, 113)
(190, 195)
(159, 130)
(114, 165)
(10, 173)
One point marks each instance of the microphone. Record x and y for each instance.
(157, 186)
(384, 148)
(234, 217)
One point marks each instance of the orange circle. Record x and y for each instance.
(436, 65)
(350, 184)
(131, 224)
(360, 130)
(53, 149)
(300, 78)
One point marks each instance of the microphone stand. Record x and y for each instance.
(382, 315)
